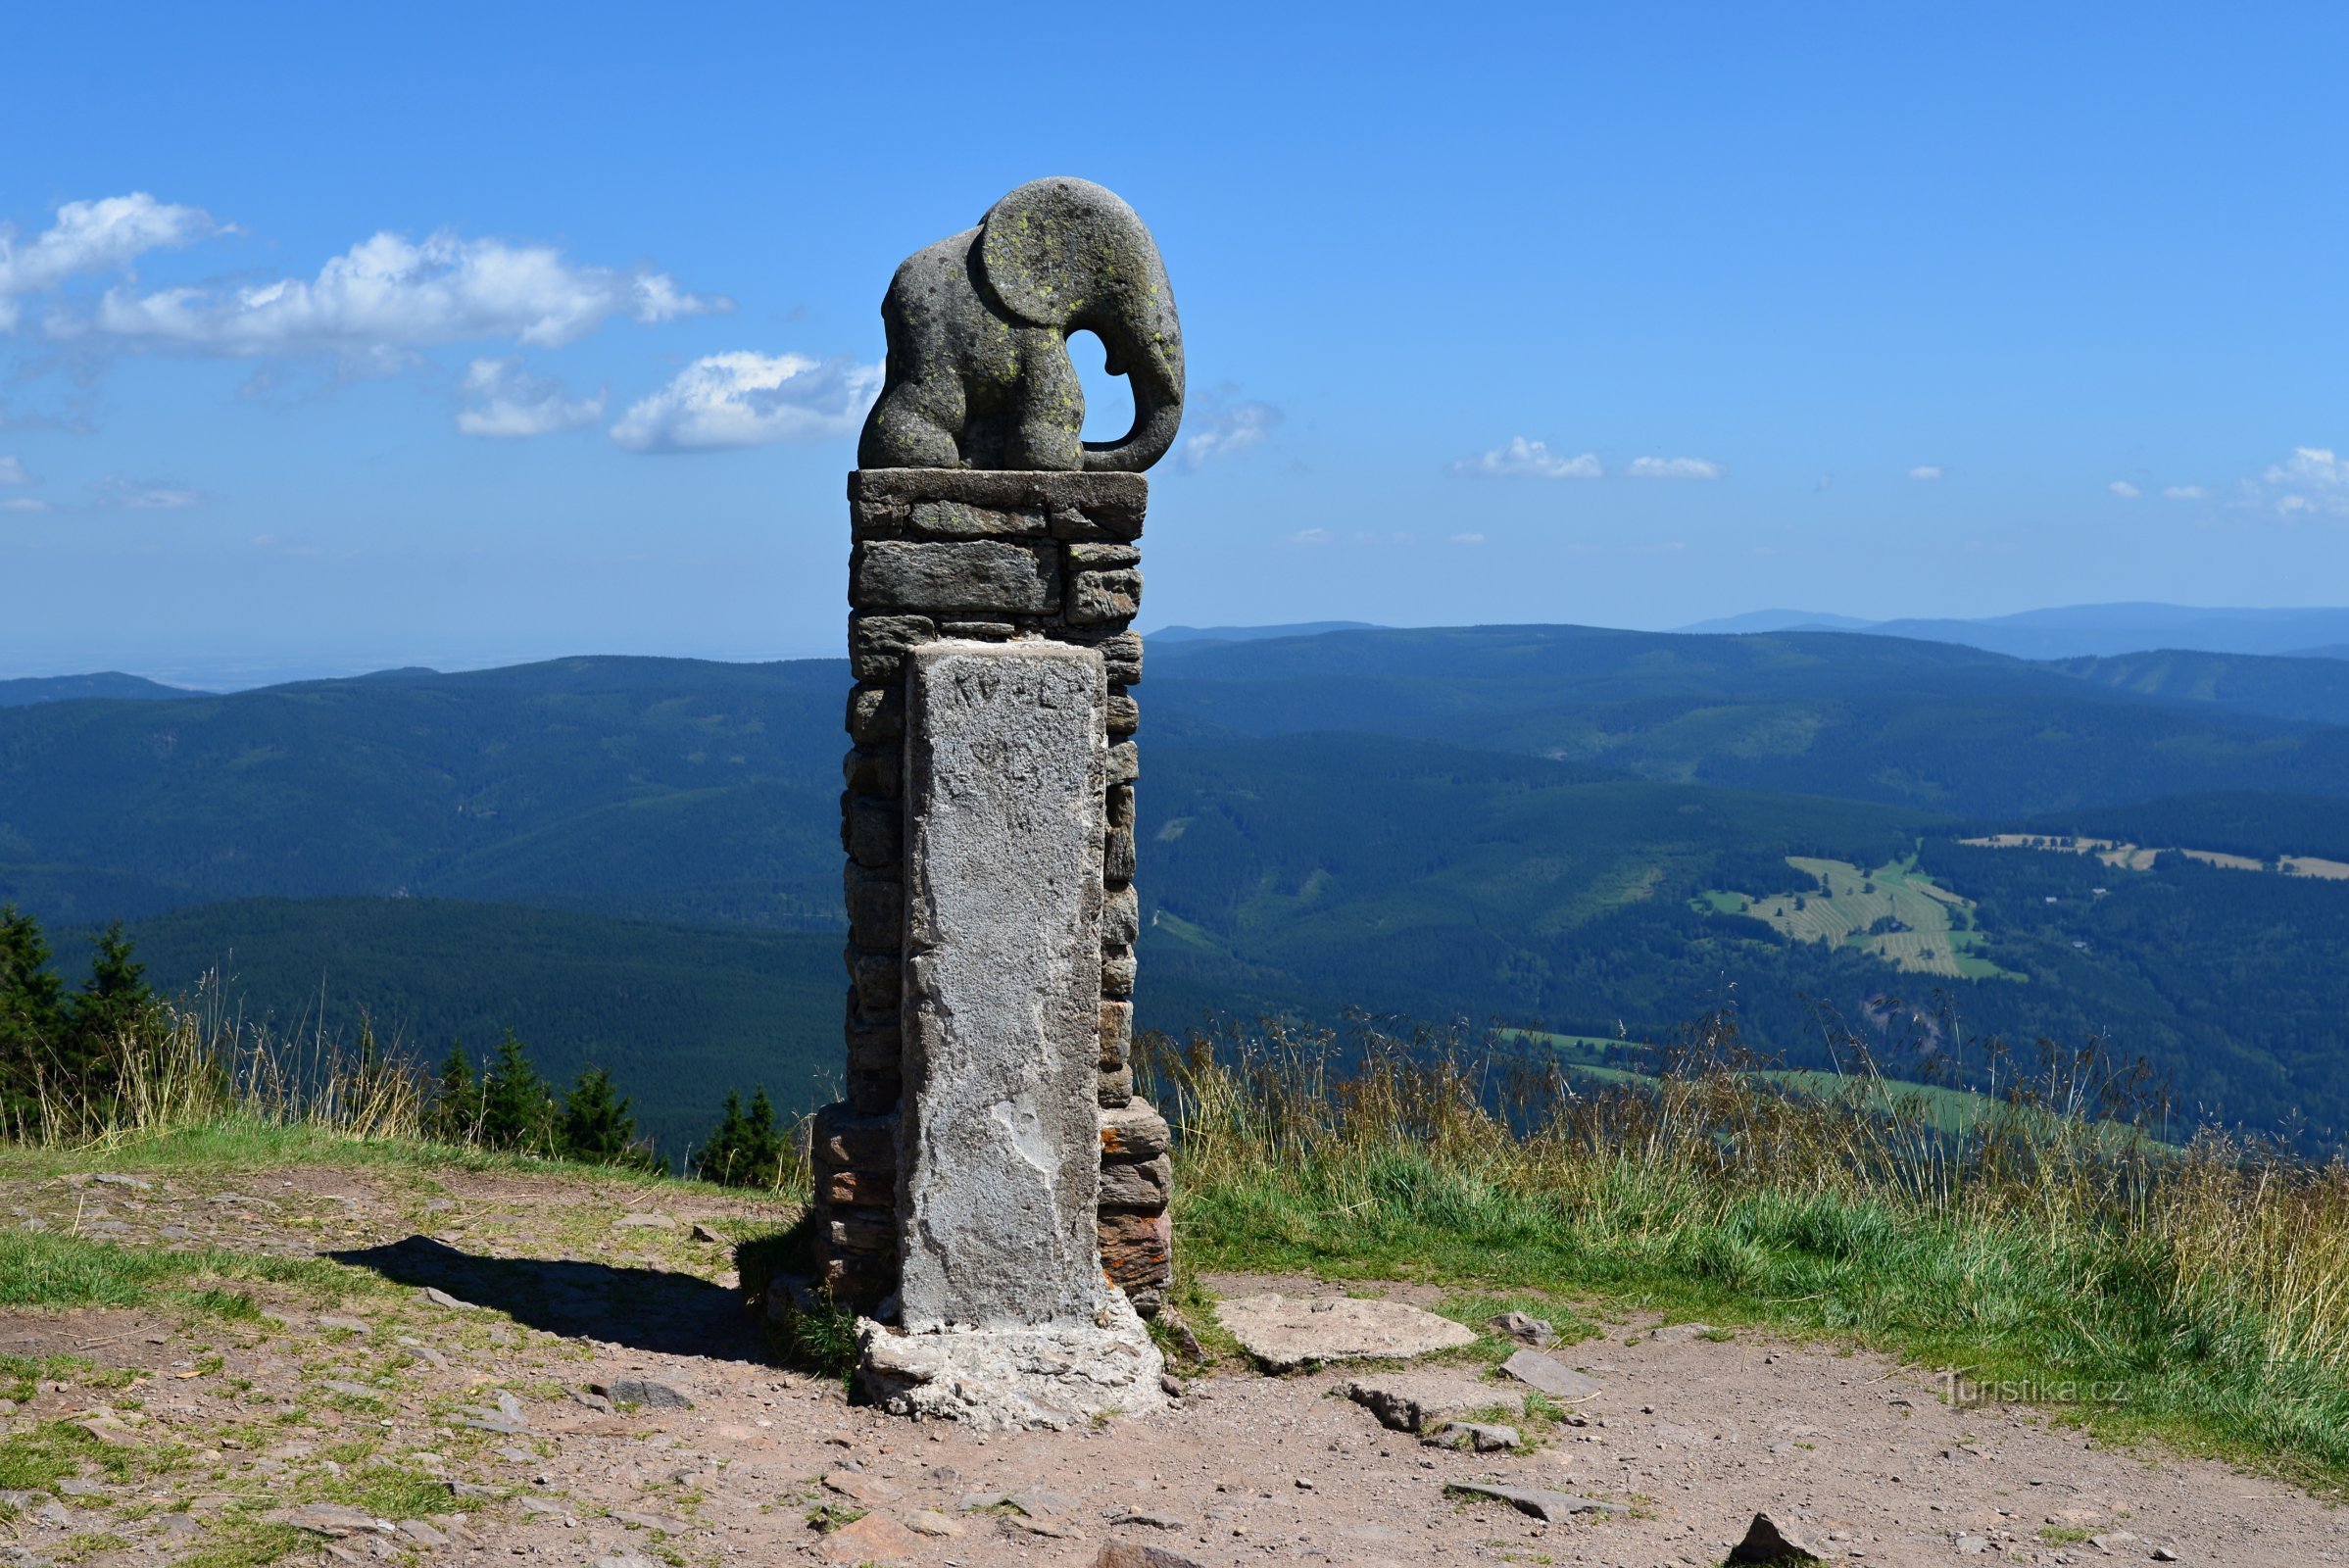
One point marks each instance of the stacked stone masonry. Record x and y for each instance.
(992, 556)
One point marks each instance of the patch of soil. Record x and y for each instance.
(484, 1409)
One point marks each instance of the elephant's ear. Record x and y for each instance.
(1060, 249)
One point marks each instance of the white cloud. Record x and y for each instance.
(1530, 460)
(388, 294)
(1827, 481)
(1467, 538)
(1229, 431)
(1927, 471)
(99, 236)
(1673, 468)
(2125, 490)
(512, 405)
(24, 503)
(1312, 536)
(747, 399)
(12, 471)
(2313, 482)
(2184, 492)
(144, 495)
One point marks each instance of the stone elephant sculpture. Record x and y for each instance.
(979, 375)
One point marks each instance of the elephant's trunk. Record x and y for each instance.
(1149, 352)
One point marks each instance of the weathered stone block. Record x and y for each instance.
(1123, 496)
(857, 1279)
(1097, 522)
(874, 770)
(1135, 1131)
(862, 1234)
(977, 574)
(1119, 970)
(1117, 1035)
(875, 1039)
(859, 1189)
(1103, 557)
(1121, 917)
(960, 520)
(876, 713)
(844, 1139)
(871, 829)
(878, 644)
(1001, 1164)
(1137, 1249)
(874, 978)
(985, 631)
(1115, 1089)
(1125, 714)
(1140, 1186)
(1104, 598)
(875, 1093)
(876, 907)
(1117, 847)
(1122, 653)
(1125, 763)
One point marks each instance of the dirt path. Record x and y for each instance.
(465, 1429)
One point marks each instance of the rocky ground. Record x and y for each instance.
(442, 1409)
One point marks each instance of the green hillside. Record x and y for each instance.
(1523, 823)
(2312, 689)
(1908, 723)
(678, 1014)
(663, 788)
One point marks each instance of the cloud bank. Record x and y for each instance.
(1673, 468)
(513, 406)
(388, 294)
(747, 399)
(100, 236)
(1521, 459)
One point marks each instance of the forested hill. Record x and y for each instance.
(31, 688)
(1927, 724)
(1542, 824)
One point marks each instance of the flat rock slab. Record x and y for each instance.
(1550, 1375)
(1556, 1507)
(1417, 1402)
(1285, 1333)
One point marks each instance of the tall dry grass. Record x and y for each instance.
(2018, 1235)
(197, 1061)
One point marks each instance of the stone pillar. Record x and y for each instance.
(976, 597)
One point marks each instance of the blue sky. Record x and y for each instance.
(457, 336)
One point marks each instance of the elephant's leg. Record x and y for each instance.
(1048, 431)
(914, 426)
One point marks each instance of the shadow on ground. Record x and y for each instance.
(641, 1309)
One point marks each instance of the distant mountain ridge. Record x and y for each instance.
(1252, 634)
(2076, 632)
(109, 684)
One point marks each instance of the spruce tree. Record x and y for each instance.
(597, 1126)
(720, 1154)
(761, 1149)
(114, 1002)
(456, 1116)
(33, 1012)
(744, 1150)
(517, 1111)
